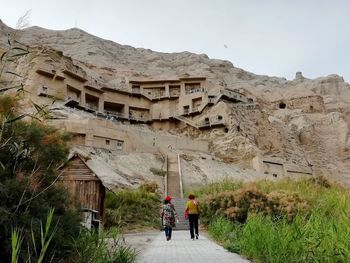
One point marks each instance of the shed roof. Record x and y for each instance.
(108, 177)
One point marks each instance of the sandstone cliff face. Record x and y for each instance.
(303, 121)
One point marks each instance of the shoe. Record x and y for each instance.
(197, 236)
(192, 239)
(167, 238)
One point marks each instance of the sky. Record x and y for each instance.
(267, 37)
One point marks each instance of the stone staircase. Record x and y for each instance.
(180, 210)
(175, 191)
(186, 120)
(173, 177)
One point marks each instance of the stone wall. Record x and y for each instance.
(308, 104)
(133, 139)
(276, 167)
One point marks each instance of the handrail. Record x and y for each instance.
(211, 100)
(125, 116)
(234, 95)
(164, 167)
(166, 176)
(180, 175)
(195, 109)
(187, 121)
(209, 123)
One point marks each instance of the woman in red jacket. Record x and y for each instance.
(169, 215)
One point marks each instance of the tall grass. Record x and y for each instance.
(39, 252)
(103, 247)
(214, 188)
(16, 243)
(94, 247)
(320, 235)
(45, 235)
(133, 208)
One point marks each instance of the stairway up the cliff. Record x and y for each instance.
(180, 210)
(187, 121)
(174, 189)
(173, 176)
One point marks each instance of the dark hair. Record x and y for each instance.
(191, 197)
(166, 201)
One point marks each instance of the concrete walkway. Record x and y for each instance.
(181, 249)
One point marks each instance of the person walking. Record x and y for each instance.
(192, 210)
(169, 216)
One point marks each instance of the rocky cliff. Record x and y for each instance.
(302, 121)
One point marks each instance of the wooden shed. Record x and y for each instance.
(86, 187)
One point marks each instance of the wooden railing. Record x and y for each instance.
(210, 123)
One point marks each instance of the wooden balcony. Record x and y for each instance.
(194, 90)
(211, 123)
(233, 95)
(195, 110)
(112, 115)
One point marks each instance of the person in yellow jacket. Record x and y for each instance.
(192, 210)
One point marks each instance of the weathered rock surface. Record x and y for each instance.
(302, 121)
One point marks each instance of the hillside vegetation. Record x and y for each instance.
(133, 208)
(284, 221)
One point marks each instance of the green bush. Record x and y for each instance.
(30, 153)
(132, 208)
(157, 171)
(235, 205)
(150, 187)
(320, 234)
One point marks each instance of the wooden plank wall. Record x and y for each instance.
(84, 185)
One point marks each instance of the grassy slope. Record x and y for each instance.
(133, 208)
(320, 235)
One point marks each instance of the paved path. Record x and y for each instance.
(181, 249)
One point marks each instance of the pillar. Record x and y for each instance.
(82, 98)
(101, 103)
(167, 91)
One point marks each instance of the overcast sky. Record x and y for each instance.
(269, 37)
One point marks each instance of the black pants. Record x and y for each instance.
(193, 218)
(168, 230)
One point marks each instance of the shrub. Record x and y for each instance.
(133, 208)
(158, 172)
(235, 205)
(314, 224)
(321, 180)
(30, 152)
(150, 187)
